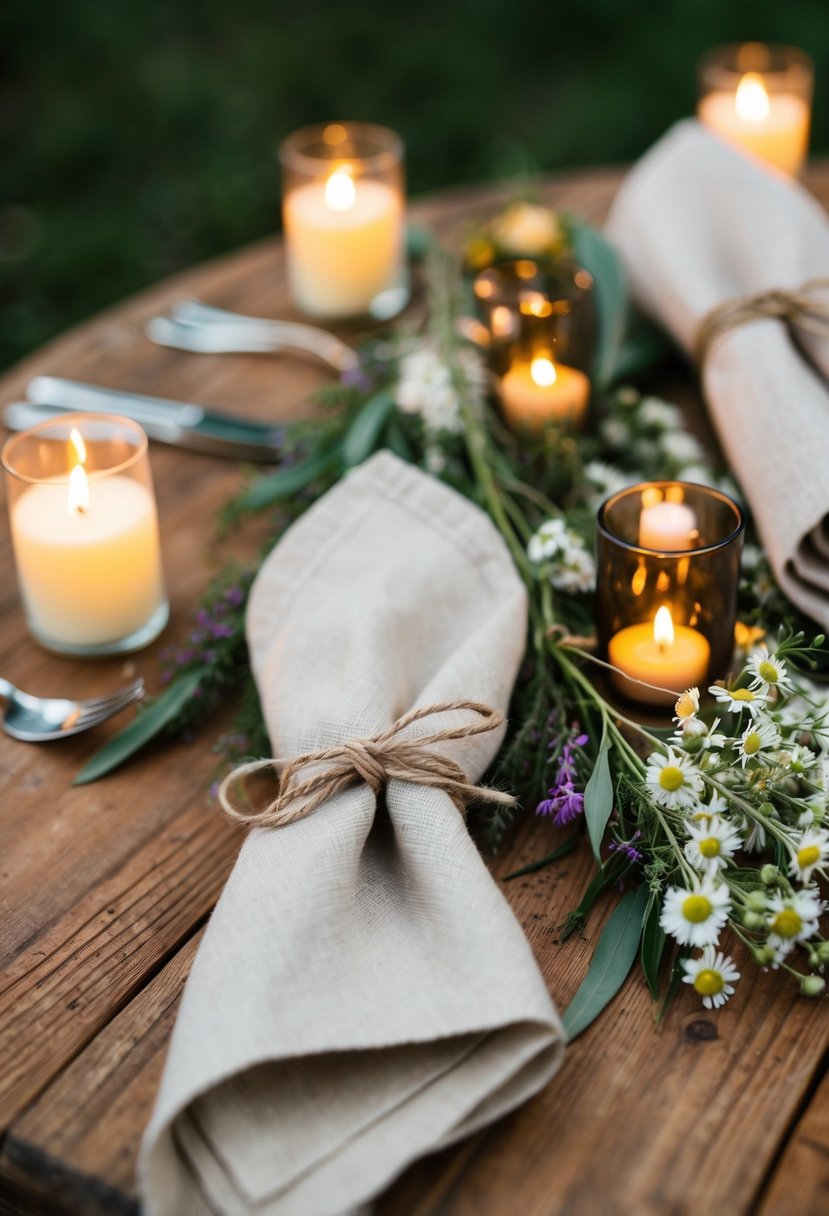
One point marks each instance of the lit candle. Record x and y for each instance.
(666, 525)
(674, 657)
(773, 126)
(344, 240)
(537, 392)
(87, 555)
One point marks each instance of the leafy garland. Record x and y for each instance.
(706, 828)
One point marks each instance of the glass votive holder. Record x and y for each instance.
(668, 566)
(344, 216)
(85, 534)
(540, 321)
(758, 96)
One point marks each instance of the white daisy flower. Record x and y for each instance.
(812, 851)
(767, 669)
(682, 447)
(716, 805)
(605, 479)
(792, 918)
(712, 844)
(696, 737)
(425, 387)
(695, 917)
(574, 570)
(687, 705)
(755, 840)
(800, 759)
(737, 699)
(655, 412)
(750, 558)
(713, 976)
(758, 738)
(672, 780)
(550, 537)
(615, 433)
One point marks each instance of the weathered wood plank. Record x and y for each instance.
(800, 1181)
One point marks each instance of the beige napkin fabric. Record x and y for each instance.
(698, 222)
(363, 994)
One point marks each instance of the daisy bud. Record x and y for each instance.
(763, 955)
(769, 875)
(819, 640)
(767, 809)
(822, 950)
(812, 985)
(756, 901)
(753, 920)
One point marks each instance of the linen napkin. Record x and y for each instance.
(698, 223)
(363, 994)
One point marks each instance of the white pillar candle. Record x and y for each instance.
(535, 393)
(773, 126)
(88, 577)
(667, 527)
(344, 242)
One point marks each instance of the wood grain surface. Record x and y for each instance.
(104, 890)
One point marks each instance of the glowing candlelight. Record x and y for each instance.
(673, 657)
(539, 391)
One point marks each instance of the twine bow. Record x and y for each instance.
(375, 761)
(800, 308)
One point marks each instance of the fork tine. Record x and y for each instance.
(131, 690)
(89, 715)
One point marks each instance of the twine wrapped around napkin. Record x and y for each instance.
(363, 994)
(732, 257)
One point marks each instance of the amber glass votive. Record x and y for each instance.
(343, 211)
(540, 321)
(85, 534)
(758, 96)
(668, 565)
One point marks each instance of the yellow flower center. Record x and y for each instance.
(696, 909)
(685, 707)
(768, 672)
(742, 694)
(710, 847)
(671, 778)
(751, 743)
(708, 982)
(787, 923)
(808, 856)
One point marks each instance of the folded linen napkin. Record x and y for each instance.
(698, 223)
(363, 994)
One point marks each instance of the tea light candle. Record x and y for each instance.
(773, 126)
(667, 527)
(537, 392)
(660, 653)
(344, 243)
(87, 554)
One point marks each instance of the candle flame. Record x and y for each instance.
(543, 372)
(752, 100)
(78, 490)
(78, 446)
(340, 194)
(663, 628)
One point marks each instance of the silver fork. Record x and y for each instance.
(36, 719)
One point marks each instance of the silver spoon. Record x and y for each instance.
(36, 719)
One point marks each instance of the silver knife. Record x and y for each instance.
(182, 424)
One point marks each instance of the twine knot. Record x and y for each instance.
(801, 308)
(374, 761)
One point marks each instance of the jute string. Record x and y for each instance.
(800, 308)
(375, 761)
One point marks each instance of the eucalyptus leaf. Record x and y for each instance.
(149, 723)
(653, 945)
(612, 960)
(398, 441)
(284, 483)
(610, 293)
(363, 436)
(598, 797)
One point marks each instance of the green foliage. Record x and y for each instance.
(598, 797)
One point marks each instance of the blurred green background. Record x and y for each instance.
(140, 138)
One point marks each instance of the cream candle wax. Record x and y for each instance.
(670, 657)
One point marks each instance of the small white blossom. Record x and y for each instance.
(568, 563)
(713, 976)
(757, 740)
(737, 699)
(811, 852)
(767, 669)
(615, 433)
(695, 916)
(605, 479)
(699, 474)
(425, 387)
(655, 412)
(712, 844)
(750, 559)
(672, 780)
(687, 705)
(681, 447)
(792, 918)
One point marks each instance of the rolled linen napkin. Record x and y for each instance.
(699, 223)
(363, 994)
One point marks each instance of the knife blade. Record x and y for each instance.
(182, 424)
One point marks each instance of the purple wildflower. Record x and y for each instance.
(218, 630)
(356, 377)
(235, 596)
(564, 802)
(628, 848)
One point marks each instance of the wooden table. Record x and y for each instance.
(105, 890)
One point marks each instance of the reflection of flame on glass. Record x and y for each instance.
(543, 371)
(340, 193)
(663, 628)
(78, 490)
(640, 578)
(78, 446)
(651, 495)
(752, 100)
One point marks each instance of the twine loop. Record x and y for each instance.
(375, 761)
(801, 308)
